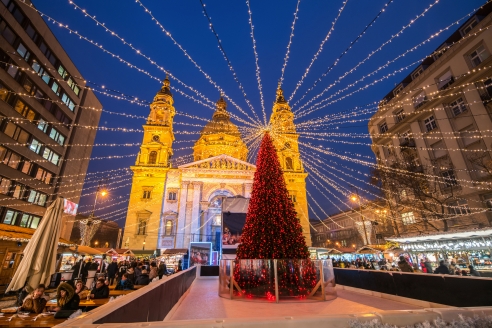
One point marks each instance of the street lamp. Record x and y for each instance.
(356, 198)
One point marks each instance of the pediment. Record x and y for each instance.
(144, 212)
(221, 162)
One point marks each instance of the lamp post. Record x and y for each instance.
(90, 222)
(355, 198)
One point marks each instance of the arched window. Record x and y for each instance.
(288, 164)
(169, 228)
(152, 157)
(142, 227)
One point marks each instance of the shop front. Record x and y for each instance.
(172, 257)
(464, 248)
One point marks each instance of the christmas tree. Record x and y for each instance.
(272, 232)
(272, 229)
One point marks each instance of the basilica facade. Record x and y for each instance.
(170, 207)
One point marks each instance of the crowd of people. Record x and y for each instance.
(124, 275)
(404, 265)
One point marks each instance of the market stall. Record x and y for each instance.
(171, 257)
(471, 247)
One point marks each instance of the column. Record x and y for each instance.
(204, 231)
(180, 233)
(195, 211)
(247, 188)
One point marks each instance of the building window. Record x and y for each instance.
(169, 228)
(35, 146)
(445, 80)
(469, 26)
(37, 198)
(43, 175)
(146, 194)
(478, 56)
(449, 178)
(152, 157)
(57, 136)
(398, 89)
(9, 158)
(5, 185)
(417, 72)
(10, 217)
(172, 196)
(288, 164)
(400, 115)
(383, 127)
(25, 111)
(16, 133)
(458, 106)
(293, 198)
(407, 218)
(51, 156)
(142, 227)
(23, 52)
(430, 123)
(459, 207)
(419, 100)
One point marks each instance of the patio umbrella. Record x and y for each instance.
(39, 261)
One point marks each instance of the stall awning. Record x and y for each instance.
(15, 233)
(85, 250)
(174, 251)
(444, 236)
(115, 251)
(367, 250)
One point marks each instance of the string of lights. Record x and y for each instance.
(320, 49)
(228, 61)
(258, 77)
(291, 36)
(433, 36)
(207, 76)
(317, 105)
(344, 52)
(65, 26)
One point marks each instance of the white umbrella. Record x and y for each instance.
(39, 261)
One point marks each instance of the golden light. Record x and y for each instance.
(353, 245)
(353, 198)
(104, 193)
(377, 211)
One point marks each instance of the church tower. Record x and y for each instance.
(220, 136)
(149, 174)
(285, 140)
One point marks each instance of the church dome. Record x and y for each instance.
(220, 136)
(221, 122)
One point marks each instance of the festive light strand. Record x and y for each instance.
(361, 34)
(286, 58)
(320, 49)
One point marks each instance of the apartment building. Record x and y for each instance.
(432, 135)
(43, 112)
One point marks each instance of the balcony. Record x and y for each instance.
(407, 143)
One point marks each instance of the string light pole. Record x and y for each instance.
(356, 198)
(90, 225)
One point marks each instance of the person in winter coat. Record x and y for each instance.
(81, 289)
(442, 268)
(66, 298)
(143, 278)
(428, 266)
(452, 267)
(124, 283)
(473, 272)
(76, 270)
(153, 271)
(112, 270)
(101, 290)
(35, 302)
(131, 275)
(403, 265)
(162, 270)
(94, 266)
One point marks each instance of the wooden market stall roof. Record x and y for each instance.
(86, 250)
(15, 233)
(174, 251)
(119, 251)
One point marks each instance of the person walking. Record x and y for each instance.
(112, 270)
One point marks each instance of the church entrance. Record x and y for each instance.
(212, 219)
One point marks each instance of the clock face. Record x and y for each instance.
(155, 138)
